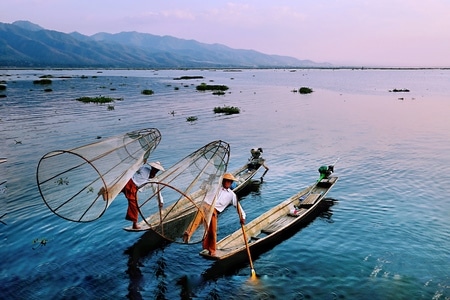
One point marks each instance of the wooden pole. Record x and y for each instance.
(253, 273)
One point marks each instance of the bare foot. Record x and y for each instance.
(136, 226)
(186, 237)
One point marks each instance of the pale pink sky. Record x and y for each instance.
(405, 33)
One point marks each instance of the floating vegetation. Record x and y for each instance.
(48, 90)
(399, 90)
(110, 107)
(100, 99)
(305, 90)
(46, 76)
(2, 96)
(211, 87)
(39, 243)
(191, 119)
(42, 81)
(84, 77)
(176, 88)
(188, 77)
(227, 110)
(2, 87)
(147, 92)
(218, 93)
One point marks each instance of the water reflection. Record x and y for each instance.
(253, 187)
(149, 243)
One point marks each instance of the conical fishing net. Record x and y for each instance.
(79, 184)
(184, 188)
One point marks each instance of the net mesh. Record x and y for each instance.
(79, 184)
(184, 188)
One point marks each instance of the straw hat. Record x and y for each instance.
(157, 165)
(229, 176)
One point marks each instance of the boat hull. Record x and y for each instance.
(276, 224)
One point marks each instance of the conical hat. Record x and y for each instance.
(157, 165)
(229, 176)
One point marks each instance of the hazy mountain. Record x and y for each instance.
(28, 25)
(24, 44)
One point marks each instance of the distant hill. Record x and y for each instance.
(24, 44)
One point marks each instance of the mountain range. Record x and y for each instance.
(27, 45)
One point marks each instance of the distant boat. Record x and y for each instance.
(245, 174)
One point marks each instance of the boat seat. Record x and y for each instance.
(327, 182)
(278, 224)
(310, 200)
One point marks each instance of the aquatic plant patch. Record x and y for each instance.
(228, 110)
(211, 87)
(42, 81)
(305, 90)
(100, 99)
(147, 92)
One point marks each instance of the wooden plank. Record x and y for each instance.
(327, 182)
(278, 224)
(310, 200)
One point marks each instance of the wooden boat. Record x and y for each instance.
(245, 174)
(269, 228)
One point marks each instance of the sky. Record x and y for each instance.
(372, 33)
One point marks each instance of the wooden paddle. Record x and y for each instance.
(253, 273)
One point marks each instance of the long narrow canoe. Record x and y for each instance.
(245, 174)
(268, 228)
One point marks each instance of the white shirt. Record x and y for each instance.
(142, 176)
(225, 198)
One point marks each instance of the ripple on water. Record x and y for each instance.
(386, 237)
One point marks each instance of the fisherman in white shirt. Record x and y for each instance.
(225, 197)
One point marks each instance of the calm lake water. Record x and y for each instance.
(387, 236)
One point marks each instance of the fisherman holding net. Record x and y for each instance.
(225, 197)
(139, 179)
